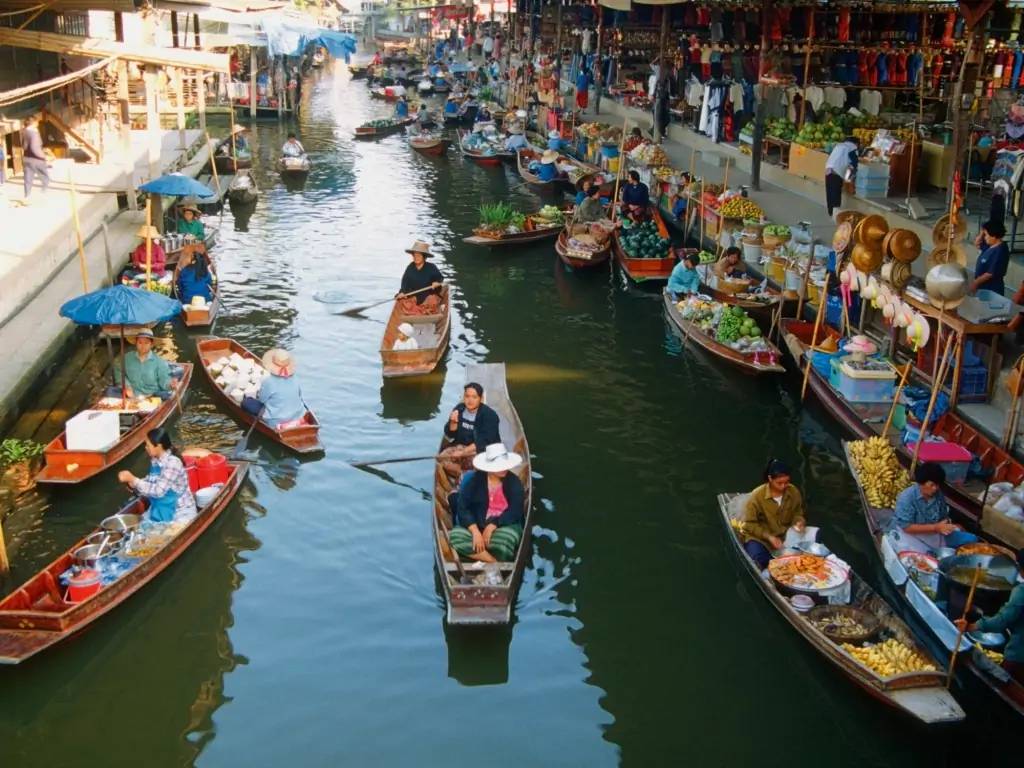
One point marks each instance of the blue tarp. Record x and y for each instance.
(119, 305)
(289, 37)
(178, 185)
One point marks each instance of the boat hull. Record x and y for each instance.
(416, 362)
(596, 261)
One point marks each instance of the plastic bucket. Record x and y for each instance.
(212, 469)
(751, 252)
(794, 281)
(776, 269)
(83, 585)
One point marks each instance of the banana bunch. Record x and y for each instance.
(879, 470)
(890, 658)
(994, 656)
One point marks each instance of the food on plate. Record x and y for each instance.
(919, 560)
(879, 470)
(840, 625)
(805, 572)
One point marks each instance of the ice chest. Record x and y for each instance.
(866, 386)
(953, 458)
(92, 430)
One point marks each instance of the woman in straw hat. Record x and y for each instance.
(195, 279)
(146, 374)
(279, 394)
(189, 223)
(157, 257)
(420, 275)
(546, 169)
(489, 508)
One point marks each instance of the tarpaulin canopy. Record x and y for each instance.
(289, 37)
(178, 185)
(120, 305)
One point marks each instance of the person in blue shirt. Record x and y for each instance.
(679, 198)
(582, 89)
(921, 510)
(194, 279)
(515, 141)
(279, 394)
(581, 194)
(401, 108)
(636, 198)
(451, 108)
(555, 141)
(684, 278)
(990, 271)
(547, 170)
(1009, 617)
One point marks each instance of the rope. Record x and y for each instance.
(23, 10)
(38, 89)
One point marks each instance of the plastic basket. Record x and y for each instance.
(974, 383)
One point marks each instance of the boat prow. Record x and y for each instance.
(432, 334)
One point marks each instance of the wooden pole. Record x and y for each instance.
(700, 212)
(78, 231)
(936, 388)
(201, 99)
(807, 66)
(896, 398)
(725, 179)
(252, 83)
(5, 563)
(213, 167)
(619, 170)
(803, 288)
(960, 632)
(598, 68)
(149, 244)
(179, 91)
(814, 337)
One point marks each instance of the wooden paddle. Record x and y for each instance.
(356, 311)
(960, 631)
(896, 398)
(436, 457)
(240, 448)
(814, 335)
(937, 387)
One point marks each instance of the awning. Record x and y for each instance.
(289, 37)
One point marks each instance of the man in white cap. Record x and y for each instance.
(406, 338)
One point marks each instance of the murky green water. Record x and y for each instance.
(306, 628)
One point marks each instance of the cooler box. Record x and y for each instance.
(866, 386)
(92, 430)
(954, 459)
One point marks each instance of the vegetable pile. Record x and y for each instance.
(650, 154)
(14, 451)
(780, 231)
(501, 218)
(726, 323)
(377, 124)
(643, 241)
(734, 325)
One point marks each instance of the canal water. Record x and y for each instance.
(306, 627)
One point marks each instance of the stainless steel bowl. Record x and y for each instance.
(814, 548)
(110, 539)
(90, 555)
(123, 523)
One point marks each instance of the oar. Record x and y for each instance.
(355, 311)
(394, 461)
(244, 442)
(960, 631)
(458, 558)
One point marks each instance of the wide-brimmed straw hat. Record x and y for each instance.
(420, 247)
(406, 329)
(549, 156)
(496, 458)
(148, 231)
(190, 207)
(279, 362)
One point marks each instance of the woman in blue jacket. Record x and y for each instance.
(489, 508)
(194, 279)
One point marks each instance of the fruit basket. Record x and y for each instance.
(844, 623)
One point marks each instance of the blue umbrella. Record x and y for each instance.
(120, 305)
(178, 185)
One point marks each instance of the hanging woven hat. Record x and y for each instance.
(902, 245)
(842, 236)
(954, 254)
(940, 232)
(851, 216)
(896, 273)
(871, 231)
(866, 258)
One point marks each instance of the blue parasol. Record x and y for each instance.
(178, 185)
(120, 305)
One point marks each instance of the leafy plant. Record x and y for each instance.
(496, 216)
(14, 451)
(518, 220)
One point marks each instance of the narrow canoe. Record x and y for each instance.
(194, 317)
(756, 363)
(941, 630)
(432, 334)
(294, 165)
(381, 94)
(227, 164)
(480, 158)
(243, 189)
(376, 132)
(644, 270)
(302, 439)
(477, 602)
(69, 467)
(523, 159)
(36, 616)
(358, 72)
(922, 695)
(433, 145)
(866, 419)
(210, 236)
(518, 238)
(596, 260)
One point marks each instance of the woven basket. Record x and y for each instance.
(773, 241)
(867, 620)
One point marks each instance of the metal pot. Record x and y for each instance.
(111, 539)
(123, 523)
(946, 282)
(998, 577)
(90, 555)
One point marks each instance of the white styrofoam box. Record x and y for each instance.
(92, 430)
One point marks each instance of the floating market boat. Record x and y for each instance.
(434, 146)
(243, 190)
(537, 227)
(200, 315)
(579, 258)
(176, 246)
(294, 165)
(523, 159)
(644, 269)
(905, 570)
(759, 304)
(378, 128)
(862, 420)
(302, 438)
(384, 93)
(473, 598)
(487, 158)
(921, 693)
(752, 361)
(432, 335)
(359, 71)
(43, 612)
(69, 466)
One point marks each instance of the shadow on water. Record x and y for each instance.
(478, 655)
(412, 399)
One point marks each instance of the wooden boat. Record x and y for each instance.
(432, 334)
(766, 304)
(263, 112)
(37, 615)
(434, 146)
(596, 260)
(210, 237)
(922, 695)
(359, 71)
(376, 132)
(303, 439)
(243, 190)
(465, 116)
(67, 467)
(382, 94)
(931, 612)
(477, 602)
(197, 317)
(756, 363)
(481, 158)
(866, 419)
(523, 159)
(294, 165)
(227, 164)
(488, 239)
(644, 270)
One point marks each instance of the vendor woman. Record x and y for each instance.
(730, 266)
(990, 271)
(166, 485)
(195, 279)
(771, 509)
(684, 278)
(472, 426)
(422, 279)
(145, 373)
(189, 223)
(1010, 617)
(279, 396)
(922, 512)
(489, 510)
(157, 256)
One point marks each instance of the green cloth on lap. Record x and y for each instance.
(504, 542)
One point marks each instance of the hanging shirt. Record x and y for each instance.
(585, 36)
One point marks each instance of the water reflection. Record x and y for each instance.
(412, 399)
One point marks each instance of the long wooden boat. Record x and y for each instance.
(376, 132)
(922, 695)
(866, 419)
(941, 630)
(432, 334)
(644, 270)
(358, 71)
(228, 164)
(381, 94)
(196, 317)
(481, 158)
(596, 260)
(487, 239)
(294, 165)
(523, 158)
(210, 236)
(434, 146)
(302, 439)
(243, 113)
(243, 190)
(756, 363)
(475, 601)
(67, 467)
(37, 615)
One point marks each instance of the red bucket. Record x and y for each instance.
(212, 469)
(192, 472)
(83, 585)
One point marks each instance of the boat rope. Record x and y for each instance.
(38, 89)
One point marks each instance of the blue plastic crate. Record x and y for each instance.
(974, 383)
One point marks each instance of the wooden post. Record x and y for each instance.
(152, 123)
(558, 40)
(126, 130)
(598, 69)
(106, 255)
(201, 99)
(619, 170)
(814, 337)
(282, 88)
(213, 167)
(936, 388)
(195, 24)
(78, 230)
(904, 374)
(179, 88)
(252, 83)
(807, 66)
(149, 244)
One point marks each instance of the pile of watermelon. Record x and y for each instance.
(643, 241)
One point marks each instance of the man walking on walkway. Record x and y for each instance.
(34, 161)
(840, 167)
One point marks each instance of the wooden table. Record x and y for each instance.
(769, 143)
